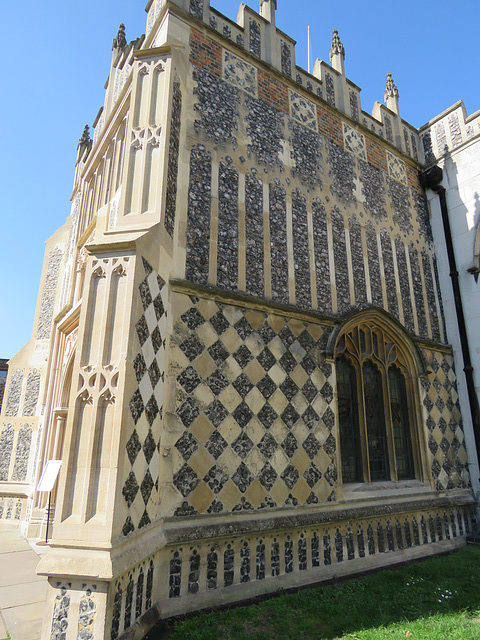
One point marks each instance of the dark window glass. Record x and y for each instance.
(401, 429)
(348, 422)
(375, 422)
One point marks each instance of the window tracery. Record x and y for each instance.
(375, 406)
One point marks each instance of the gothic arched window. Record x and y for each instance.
(375, 400)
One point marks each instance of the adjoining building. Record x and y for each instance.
(3, 378)
(240, 352)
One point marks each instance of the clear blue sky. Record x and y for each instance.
(55, 60)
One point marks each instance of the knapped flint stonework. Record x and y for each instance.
(354, 105)
(388, 129)
(255, 41)
(418, 290)
(14, 393)
(86, 616)
(171, 191)
(254, 268)
(286, 59)
(322, 265)
(301, 253)
(60, 615)
(389, 271)
(373, 188)
(196, 9)
(265, 132)
(198, 224)
(356, 250)
(279, 255)
(31, 393)
(446, 444)
(22, 454)
(306, 145)
(399, 197)
(48, 295)
(217, 104)
(258, 429)
(330, 89)
(6, 446)
(227, 259)
(140, 486)
(423, 216)
(404, 285)
(342, 172)
(431, 302)
(374, 265)
(342, 281)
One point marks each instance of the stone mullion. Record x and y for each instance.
(213, 247)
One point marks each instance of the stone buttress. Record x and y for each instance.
(241, 230)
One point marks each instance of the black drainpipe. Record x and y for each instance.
(432, 179)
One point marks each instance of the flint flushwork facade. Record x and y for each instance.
(250, 384)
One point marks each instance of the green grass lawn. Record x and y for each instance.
(437, 599)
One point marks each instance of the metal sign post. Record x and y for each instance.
(47, 481)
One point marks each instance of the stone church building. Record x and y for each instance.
(241, 353)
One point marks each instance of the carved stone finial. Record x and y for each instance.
(120, 42)
(391, 90)
(337, 46)
(267, 9)
(85, 139)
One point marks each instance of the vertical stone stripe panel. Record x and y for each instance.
(431, 301)
(14, 393)
(418, 290)
(356, 250)
(374, 265)
(198, 223)
(22, 454)
(278, 236)
(6, 445)
(389, 271)
(404, 285)
(301, 254)
(174, 144)
(31, 393)
(48, 295)
(227, 255)
(322, 264)
(342, 282)
(255, 270)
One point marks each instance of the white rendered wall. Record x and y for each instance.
(461, 179)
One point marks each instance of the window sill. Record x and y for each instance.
(362, 490)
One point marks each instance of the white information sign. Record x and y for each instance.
(49, 475)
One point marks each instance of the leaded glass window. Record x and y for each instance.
(373, 406)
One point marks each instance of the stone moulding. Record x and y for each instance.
(195, 529)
